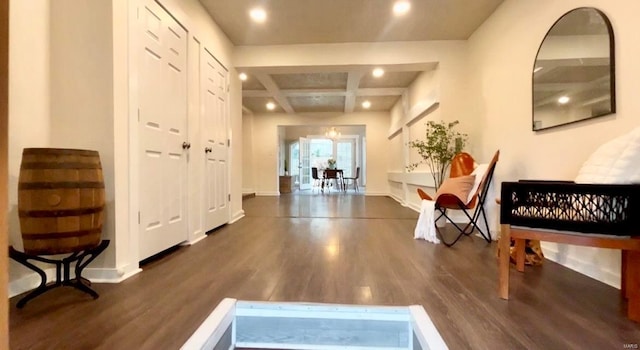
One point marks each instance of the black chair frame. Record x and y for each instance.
(454, 203)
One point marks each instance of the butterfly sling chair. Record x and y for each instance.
(465, 190)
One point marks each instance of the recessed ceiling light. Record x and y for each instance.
(258, 15)
(401, 7)
(242, 76)
(366, 104)
(271, 106)
(378, 72)
(563, 100)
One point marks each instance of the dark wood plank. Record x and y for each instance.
(333, 248)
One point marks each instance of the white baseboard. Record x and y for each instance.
(96, 275)
(267, 193)
(397, 199)
(371, 193)
(29, 282)
(195, 240)
(588, 269)
(110, 275)
(248, 191)
(237, 216)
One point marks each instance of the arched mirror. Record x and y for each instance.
(573, 75)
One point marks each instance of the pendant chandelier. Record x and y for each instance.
(332, 133)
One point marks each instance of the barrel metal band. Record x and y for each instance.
(60, 152)
(58, 165)
(59, 213)
(58, 185)
(67, 234)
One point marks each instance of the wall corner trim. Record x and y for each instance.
(237, 216)
(268, 193)
(194, 240)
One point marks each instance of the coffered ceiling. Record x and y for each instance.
(342, 89)
(339, 89)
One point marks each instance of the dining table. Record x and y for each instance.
(337, 175)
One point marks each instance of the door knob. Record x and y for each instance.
(207, 150)
(186, 145)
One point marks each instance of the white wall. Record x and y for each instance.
(265, 146)
(396, 147)
(82, 91)
(248, 174)
(502, 53)
(441, 94)
(237, 146)
(29, 98)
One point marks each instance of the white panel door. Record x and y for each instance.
(215, 134)
(305, 164)
(162, 116)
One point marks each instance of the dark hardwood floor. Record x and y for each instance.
(332, 248)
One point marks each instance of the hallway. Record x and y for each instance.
(335, 249)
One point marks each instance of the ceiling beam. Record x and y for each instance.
(246, 110)
(604, 98)
(353, 81)
(548, 66)
(314, 92)
(572, 89)
(275, 92)
(381, 92)
(256, 93)
(366, 68)
(327, 92)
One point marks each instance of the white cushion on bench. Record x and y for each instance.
(615, 162)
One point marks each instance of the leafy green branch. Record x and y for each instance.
(441, 143)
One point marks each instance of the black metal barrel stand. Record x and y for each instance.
(63, 268)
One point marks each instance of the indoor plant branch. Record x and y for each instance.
(441, 143)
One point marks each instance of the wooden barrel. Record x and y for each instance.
(60, 200)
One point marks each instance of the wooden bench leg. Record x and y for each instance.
(503, 261)
(632, 284)
(520, 253)
(624, 292)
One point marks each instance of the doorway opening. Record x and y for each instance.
(306, 147)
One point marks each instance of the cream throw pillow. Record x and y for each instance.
(479, 172)
(458, 186)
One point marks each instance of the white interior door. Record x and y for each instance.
(215, 133)
(162, 117)
(305, 164)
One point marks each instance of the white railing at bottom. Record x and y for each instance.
(279, 325)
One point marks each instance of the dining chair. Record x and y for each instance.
(332, 174)
(353, 180)
(317, 182)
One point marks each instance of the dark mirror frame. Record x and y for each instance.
(612, 75)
